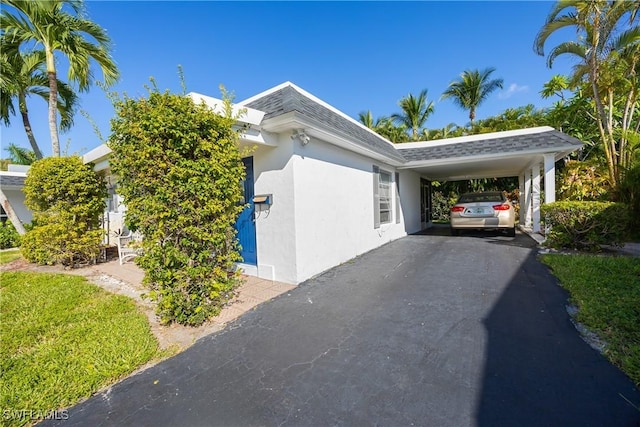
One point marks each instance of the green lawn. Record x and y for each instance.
(9, 255)
(607, 293)
(61, 340)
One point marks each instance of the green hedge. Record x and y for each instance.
(67, 199)
(585, 225)
(629, 193)
(180, 173)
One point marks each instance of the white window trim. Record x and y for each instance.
(377, 199)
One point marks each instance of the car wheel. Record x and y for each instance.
(455, 232)
(511, 232)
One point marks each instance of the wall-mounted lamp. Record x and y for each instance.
(301, 136)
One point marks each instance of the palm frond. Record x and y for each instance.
(571, 48)
(20, 155)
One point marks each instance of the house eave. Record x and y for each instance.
(293, 121)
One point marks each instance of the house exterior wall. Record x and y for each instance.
(322, 212)
(275, 227)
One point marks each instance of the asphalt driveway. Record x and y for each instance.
(430, 330)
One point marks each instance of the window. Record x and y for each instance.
(382, 197)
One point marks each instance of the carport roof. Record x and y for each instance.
(489, 155)
(544, 139)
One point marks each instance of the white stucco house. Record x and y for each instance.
(323, 188)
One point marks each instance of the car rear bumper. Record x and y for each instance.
(492, 222)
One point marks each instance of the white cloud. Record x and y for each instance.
(513, 88)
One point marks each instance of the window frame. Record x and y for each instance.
(383, 193)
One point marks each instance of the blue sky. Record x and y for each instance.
(356, 56)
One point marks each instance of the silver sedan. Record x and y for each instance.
(484, 210)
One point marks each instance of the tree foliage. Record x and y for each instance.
(179, 170)
(57, 30)
(67, 199)
(23, 75)
(583, 181)
(20, 155)
(607, 47)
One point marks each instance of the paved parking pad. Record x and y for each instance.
(429, 330)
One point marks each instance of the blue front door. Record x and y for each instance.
(245, 224)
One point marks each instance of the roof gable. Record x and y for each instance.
(288, 98)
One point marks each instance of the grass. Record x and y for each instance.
(607, 292)
(61, 340)
(9, 255)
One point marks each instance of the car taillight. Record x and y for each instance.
(457, 209)
(503, 207)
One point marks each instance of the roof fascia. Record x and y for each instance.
(293, 121)
(478, 137)
(240, 113)
(559, 154)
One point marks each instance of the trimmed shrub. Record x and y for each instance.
(9, 237)
(180, 171)
(67, 199)
(585, 225)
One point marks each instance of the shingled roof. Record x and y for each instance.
(538, 139)
(288, 99)
(11, 180)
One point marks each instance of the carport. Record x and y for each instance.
(530, 154)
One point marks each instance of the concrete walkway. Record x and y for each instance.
(428, 331)
(252, 292)
(126, 280)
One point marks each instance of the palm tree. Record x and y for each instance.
(366, 118)
(20, 155)
(608, 42)
(79, 40)
(472, 89)
(24, 74)
(415, 112)
(384, 127)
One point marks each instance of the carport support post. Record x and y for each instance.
(549, 181)
(525, 208)
(535, 197)
(549, 178)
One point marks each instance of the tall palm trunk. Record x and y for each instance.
(27, 125)
(53, 107)
(53, 102)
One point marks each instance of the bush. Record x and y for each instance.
(67, 199)
(584, 181)
(9, 237)
(179, 170)
(629, 193)
(585, 225)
